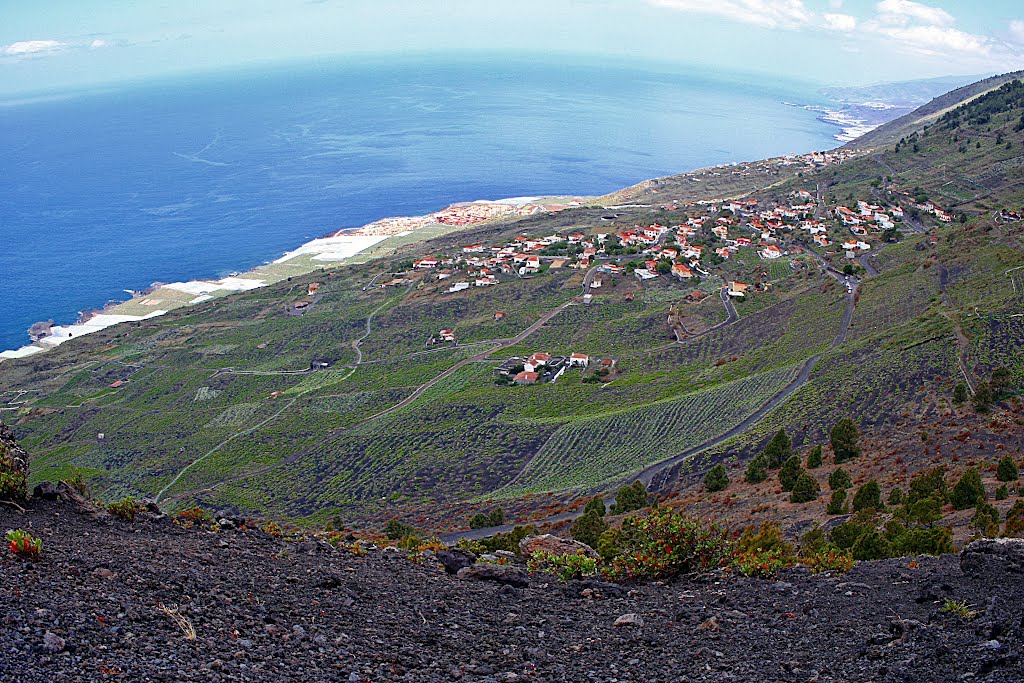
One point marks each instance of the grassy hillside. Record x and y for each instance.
(220, 405)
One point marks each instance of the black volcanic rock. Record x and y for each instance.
(111, 600)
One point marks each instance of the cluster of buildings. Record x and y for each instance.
(543, 367)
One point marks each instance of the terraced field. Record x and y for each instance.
(599, 450)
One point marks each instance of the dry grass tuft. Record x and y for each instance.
(180, 620)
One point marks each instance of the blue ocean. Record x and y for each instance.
(201, 176)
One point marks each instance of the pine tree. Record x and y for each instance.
(983, 397)
(588, 528)
(1008, 470)
(986, 520)
(1015, 520)
(1002, 493)
(969, 491)
(959, 393)
(757, 470)
(717, 479)
(844, 437)
(814, 458)
(839, 479)
(837, 504)
(790, 471)
(868, 497)
(778, 450)
(805, 489)
(630, 497)
(596, 504)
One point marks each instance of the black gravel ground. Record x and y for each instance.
(266, 609)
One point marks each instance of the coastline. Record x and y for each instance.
(336, 248)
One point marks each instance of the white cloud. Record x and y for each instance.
(1017, 30)
(29, 47)
(764, 13)
(97, 44)
(839, 22)
(902, 12)
(938, 40)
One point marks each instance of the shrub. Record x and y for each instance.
(1015, 520)
(837, 503)
(609, 545)
(869, 546)
(778, 450)
(595, 504)
(508, 541)
(497, 517)
(768, 537)
(805, 489)
(969, 491)
(1007, 470)
(828, 560)
(667, 543)
(125, 509)
(983, 397)
(905, 541)
(763, 563)
(844, 438)
(960, 393)
(193, 516)
(868, 497)
(588, 528)
(757, 470)
(839, 479)
(896, 496)
(1002, 493)
(410, 542)
(629, 498)
(23, 544)
(929, 484)
(986, 520)
(565, 567)
(717, 479)
(12, 486)
(814, 541)
(396, 530)
(959, 608)
(789, 472)
(814, 458)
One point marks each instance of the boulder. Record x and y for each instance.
(46, 490)
(630, 619)
(455, 559)
(13, 466)
(556, 546)
(993, 555)
(498, 573)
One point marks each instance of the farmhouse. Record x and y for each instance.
(525, 377)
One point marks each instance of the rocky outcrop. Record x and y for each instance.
(993, 556)
(506, 575)
(13, 466)
(555, 545)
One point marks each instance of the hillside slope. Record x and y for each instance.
(150, 600)
(719, 307)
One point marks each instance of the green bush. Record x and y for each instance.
(483, 520)
(609, 545)
(508, 541)
(595, 504)
(986, 520)
(757, 470)
(969, 491)
(667, 543)
(960, 393)
(588, 528)
(837, 503)
(717, 479)
(767, 537)
(844, 438)
(1002, 493)
(789, 472)
(814, 458)
(828, 560)
(12, 486)
(125, 509)
(868, 497)
(896, 496)
(929, 484)
(778, 450)
(839, 479)
(629, 498)
(814, 540)
(565, 567)
(396, 530)
(763, 563)
(1015, 520)
(805, 489)
(1007, 470)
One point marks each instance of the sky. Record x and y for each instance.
(68, 44)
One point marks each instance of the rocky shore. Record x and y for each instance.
(149, 600)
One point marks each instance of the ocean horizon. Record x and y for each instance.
(203, 175)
